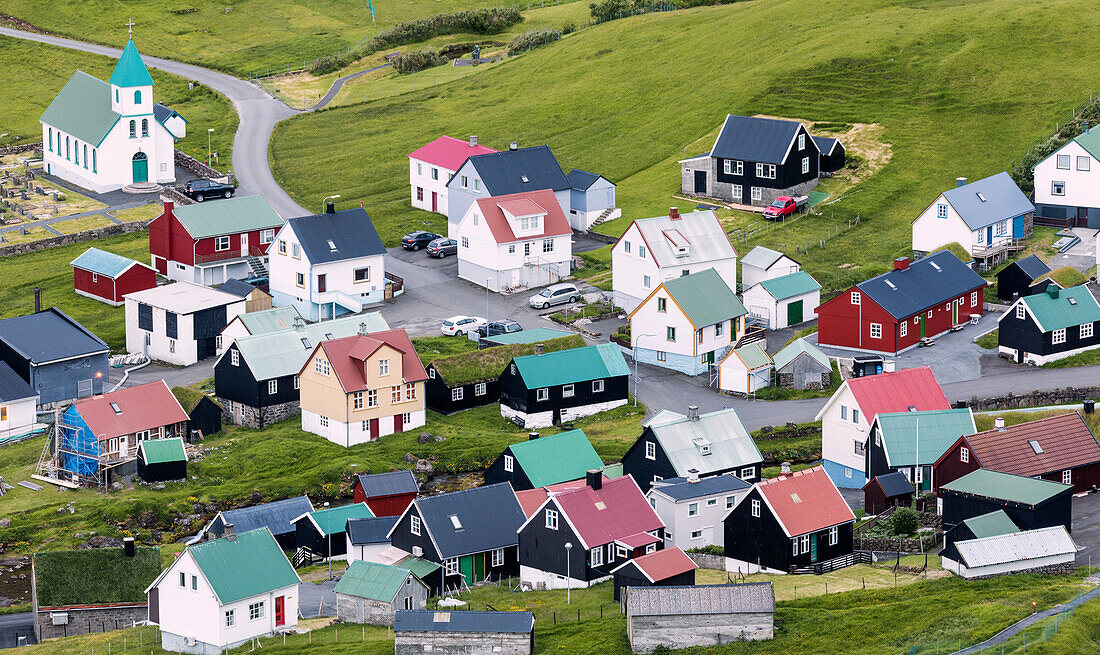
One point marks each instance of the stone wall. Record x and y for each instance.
(680, 631)
(196, 167)
(461, 643)
(1066, 396)
(353, 609)
(23, 147)
(1066, 568)
(69, 239)
(85, 621)
(256, 417)
(705, 561)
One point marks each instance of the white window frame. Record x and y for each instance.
(804, 542)
(805, 165)
(650, 450)
(597, 386)
(456, 394)
(696, 534)
(414, 525)
(1058, 336)
(272, 387)
(1057, 188)
(756, 193)
(964, 454)
(1083, 163)
(267, 236)
(230, 618)
(1021, 311)
(1085, 331)
(973, 298)
(221, 243)
(794, 545)
(542, 394)
(1067, 476)
(748, 473)
(450, 566)
(509, 463)
(801, 141)
(567, 391)
(739, 169)
(857, 297)
(256, 611)
(596, 555)
(480, 389)
(372, 397)
(904, 328)
(731, 501)
(755, 508)
(1061, 162)
(738, 191)
(235, 357)
(834, 535)
(693, 509)
(551, 520)
(498, 557)
(727, 166)
(876, 330)
(383, 367)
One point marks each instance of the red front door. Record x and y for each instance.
(435, 206)
(374, 429)
(399, 423)
(280, 611)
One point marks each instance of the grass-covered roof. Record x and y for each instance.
(187, 397)
(1066, 277)
(94, 576)
(486, 364)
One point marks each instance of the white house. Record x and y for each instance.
(328, 265)
(103, 136)
(984, 217)
(653, 250)
(784, 301)
(692, 508)
(745, 370)
(846, 418)
(1067, 182)
(432, 165)
(18, 402)
(591, 199)
(367, 538)
(514, 241)
(178, 323)
(763, 264)
(687, 323)
(219, 594)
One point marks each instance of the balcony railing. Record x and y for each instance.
(232, 253)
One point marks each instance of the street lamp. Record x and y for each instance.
(568, 547)
(487, 305)
(324, 203)
(209, 151)
(637, 339)
(328, 537)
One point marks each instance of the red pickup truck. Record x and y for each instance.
(784, 206)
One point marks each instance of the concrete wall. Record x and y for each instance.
(461, 643)
(354, 609)
(80, 621)
(680, 631)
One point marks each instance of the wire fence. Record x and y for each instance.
(143, 639)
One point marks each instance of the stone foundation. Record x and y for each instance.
(1053, 569)
(1066, 396)
(257, 417)
(786, 381)
(82, 621)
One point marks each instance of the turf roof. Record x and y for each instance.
(487, 364)
(94, 576)
(1066, 276)
(188, 398)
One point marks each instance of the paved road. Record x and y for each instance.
(316, 600)
(339, 84)
(1023, 380)
(13, 626)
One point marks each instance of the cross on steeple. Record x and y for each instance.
(130, 25)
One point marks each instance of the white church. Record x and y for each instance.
(104, 136)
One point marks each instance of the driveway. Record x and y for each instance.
(316, 600)
(13, 626)
(1082, 256)
(1086, 528)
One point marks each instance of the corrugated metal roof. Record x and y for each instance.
(988, 201)
(1005, 486)
(276, 516)
(183, 297)
(463, 621)
(761, 257)
(335, 519)
(503, 172)
(13, 387)
(705, 298)
(617, 511)
(130, 409)
(277, 354)
(82, 109)
(1073, 306)
(754, 139)
(894, 484)
(370, 531)
(228, 216)
(1016, 547)
(252, 563)
(753, 356)
(805, 501)
(278, 319)
(351, 231)
(104, 263)
(556, 458)
(796, 348)
(702, 230)
(421, 568)
(897, 392)
(927, 282)
(392, 483)
(371, 580)
(48, 336)
(731, 446)
(991, 524)
(574, 365)
(162, 451)
(448, 152)
(130, 70)
(681, 489)
(1066, 442)
(701, 599)
(933, 431)
(789, 286)
(489, 516)
(1090, 141)
(533, 335)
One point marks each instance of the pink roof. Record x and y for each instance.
(897, 392)
(616, 511)
(144, 407)
(638, 540)
(531, 499)
(805, 501)
(524, 204)
(448, 152)
(663, 564)
(347, 354)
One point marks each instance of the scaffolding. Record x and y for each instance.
(72, 456)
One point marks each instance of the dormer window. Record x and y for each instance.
(383, 367)
(524, 178)
(703, 445)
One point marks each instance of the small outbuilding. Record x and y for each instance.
(1046, 550)
(1030, 503)
(255, 298)
(159, 460)
(372, 593)
(745, 370)
(801, 365)
(765, 264)
(591, 199)
(368, 538)
(204, 414)
(463, 633)
(324, 531)
(886, 491)
(669, 567)
(107, 277)
(833, 153)
(704, 615)
(386, 494)
(782, 302)
(1021, 278)
(987, 525)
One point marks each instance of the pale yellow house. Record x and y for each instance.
(359, 388)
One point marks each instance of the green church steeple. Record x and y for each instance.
(130, 70)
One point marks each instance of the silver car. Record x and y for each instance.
(557, 294)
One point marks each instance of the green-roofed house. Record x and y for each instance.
(911, 442)
(687, 323)
(75, 592)
(211, 242)
(1067, 180)
(800, 365)
(783, 301)
(160, 460)
(324, 531)
(1048, 326)
(537, 391)
(222, 593)
(1030, 503)
(103, 136)
(745, 370)
(542, 461)
(979, 527)
(372, 593)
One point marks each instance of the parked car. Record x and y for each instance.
(457, 326)
(784, 206)
(200, 190)
(440, 248)
(494, 328)
(555, 295)
(417, 240)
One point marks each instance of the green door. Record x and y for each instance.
(466, 568)
(479, 567)
(813, 548)
(922, 326)
(794, 313)
(710, 357)
(141, 168)
(954, 313)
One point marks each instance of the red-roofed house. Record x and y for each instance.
(513, 241)
(431, 167)
(794, 521)
(606, 522)
(359, 388)
(670, 567)
(846, 419)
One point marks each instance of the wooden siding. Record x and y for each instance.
(959, 507)
(515, 394)
(761, 540)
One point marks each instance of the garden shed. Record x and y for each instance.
(801, 365)
(203, 413)
(668, 567)
(372, 593)
(704, 615)
(745, 370)
(886, 491)
(159, 460)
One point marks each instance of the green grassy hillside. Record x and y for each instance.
(959, 89)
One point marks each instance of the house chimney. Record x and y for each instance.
(1052, 290)
(299, 323)
(594, 478)
(330, 208)
(169, 206)
(912, 408)
(999, 423)
(539, 349)
(674, 213)
(784, 467)
(960, 181)
(128, 546)
(693, 475)
(228, 533)
(693, 412)
(37, 300)
(513, 146)
(901, 263)
(363, 330)
(532, 435)
(473, 140)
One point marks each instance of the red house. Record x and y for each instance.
(1059, 448)
(892, 312)
(386, 494)
(211, 242)
(107, 277)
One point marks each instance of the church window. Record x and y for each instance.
(67, 156)
(116, 95)
(51, 139)
(76, 153)
(133, 129)
(93, 160)
(137, 97)
(145, 127)
(85, 155)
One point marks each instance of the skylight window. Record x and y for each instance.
(305, 343)
(980, 196)
(115, 407)
(601, 506)
(524, 178)
(331, 245)
(1035, 446)
(328, 335)
(1073, 301)
(455, 522)
(795, 498)
(891, 285)
(935, 266)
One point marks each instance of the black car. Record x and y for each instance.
(200, 190)
(442, 247)
(494, 328)
(417, 240)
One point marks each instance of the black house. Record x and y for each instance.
(670, 567)
(543, 461)
(1029, 502)
(885, 491)
(538, 391)
(833, 153)
(754, 161)
(1048, 326)
(1019, 278)
(160, 460)
(324, 531)
(979, 527)
(471, 534)
(203, 414)
(276, 516)
(796, 521)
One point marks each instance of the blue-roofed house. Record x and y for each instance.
(987, 218)
(59, 358)
(692, 508)
(368, 537)
(255, 298)
(17, 406)
(591, 199)
(107, 277)
(276, 516)
(103, 136)
(423, 631)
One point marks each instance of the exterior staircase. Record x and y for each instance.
(752, 335)
(603, 217)
(259, 269)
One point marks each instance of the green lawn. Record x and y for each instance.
(934, 75)
(779, 393)
(35, 72)
(1087, 358)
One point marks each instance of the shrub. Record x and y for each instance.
(531, 40)
(708, 550)
(608, 8)
(416, 60)
(904, 521)
(569, 28)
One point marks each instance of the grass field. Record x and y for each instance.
(141, 213)
(35, 72)
(934, 75)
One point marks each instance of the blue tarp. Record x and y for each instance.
(79, 445)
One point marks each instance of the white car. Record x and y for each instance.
(457, 326)
(555, 295)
